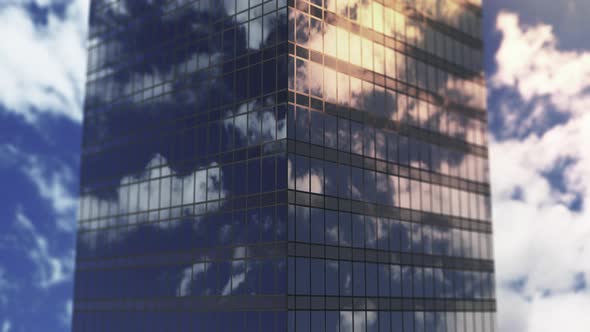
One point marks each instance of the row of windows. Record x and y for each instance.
(278, 248)
(260, 126)
(315, 277)
(158, 321)
(255, 225)
(194, 57)
(328, 178)
(106, 90)
(106, 237)
(349, 86)
(184, 141)
(184, 149)
(324, 154)
(340, 41)
(247, 130)
(299, 321)
(364, 139)
(160, 187)
(130, 16)
(429, 80)
(396, 321)
(401, 17)
(167, 116)
(160, 66)
(319, 226)
(320, 277)
(338, 88)
(225, 278)
(266, 125)
(451, 12)
(193, 64)
(195, 48)
(216, 85)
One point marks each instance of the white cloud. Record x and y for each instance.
(51, 270)
(189, 274)
(530, 62)
(542, 241)
(40, 3)
(43, 66)
(66, 316)
(567, 312)
(529, 59)
(561, 312)
(52, 186)
(239, 272)
(53, 181)
(5, 286)
(357, 321)
(235, 281)
(6, 326)
(203, 184)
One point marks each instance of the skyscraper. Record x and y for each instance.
(285, 166)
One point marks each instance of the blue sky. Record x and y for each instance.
(538, 70)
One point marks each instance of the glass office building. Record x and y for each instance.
(275, 165)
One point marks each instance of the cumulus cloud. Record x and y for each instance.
(51, 269)
(203, 184)
(529, 59)
(199, 186)
(539, 182)
(530, 62)
(43, 65)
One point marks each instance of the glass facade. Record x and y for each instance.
(275, 165)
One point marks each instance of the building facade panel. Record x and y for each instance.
(272, 165)
(389, 201)
(183, 212)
